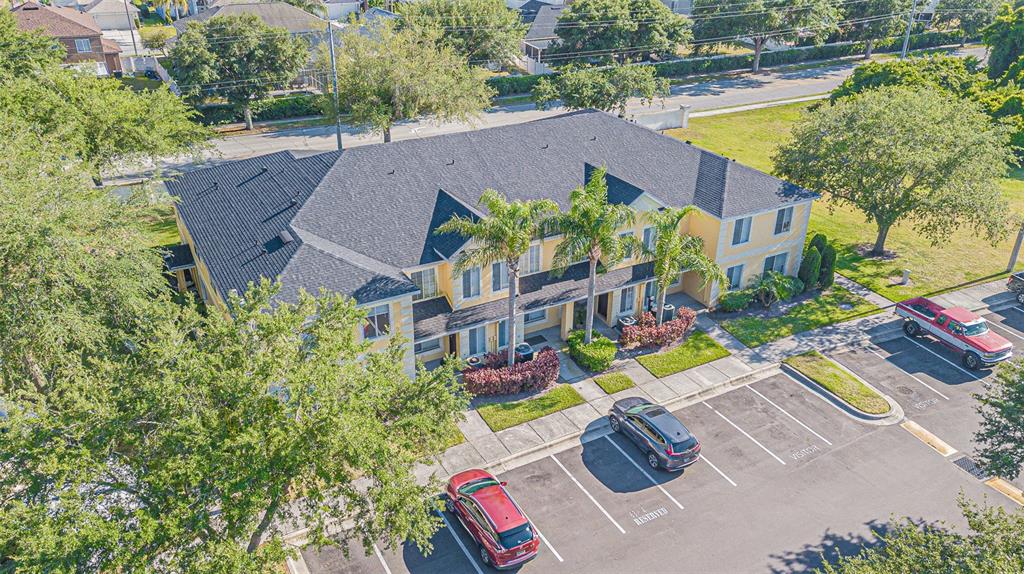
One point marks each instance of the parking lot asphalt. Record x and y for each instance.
(784, 478)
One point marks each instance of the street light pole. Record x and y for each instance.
(906, 34)
(1016, 250)
(131, 27)
(334, 77)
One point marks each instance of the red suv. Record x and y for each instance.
(487, 511)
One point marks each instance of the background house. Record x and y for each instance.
(112, 14)
(77, 31)
(273, 13)
(542, 18)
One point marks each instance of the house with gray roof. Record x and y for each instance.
(363, 222)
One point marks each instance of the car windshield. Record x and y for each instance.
(973, 329)
(685, 445)
(516, 536)
(476, 485)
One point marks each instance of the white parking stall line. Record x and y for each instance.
(641, 469)
(543, 538)
(796, 420)
(712, 465)
(1005, 330)
(754, 440)
(380, 557)
(965, 371)
(592, 499)
(462, 546)
(911, 375)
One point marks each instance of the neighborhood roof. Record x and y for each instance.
(376, 208)
(542, 27)
(109, 7)
(528, 11)
(273, 13)
(57, 22)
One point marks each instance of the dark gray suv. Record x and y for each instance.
(666, 442)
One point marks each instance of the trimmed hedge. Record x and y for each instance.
(535, 375)
(646, 333)
(282, 108)
(737, 300)
(597, 356)
(509, 85)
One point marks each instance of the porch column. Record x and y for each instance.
(180, 276)
(567, 314)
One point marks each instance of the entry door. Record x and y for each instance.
(602, 305)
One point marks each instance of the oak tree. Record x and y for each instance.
(607, 89)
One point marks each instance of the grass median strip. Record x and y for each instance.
(500, 416)
(836, 305)
(697, 349)
(839, 382)
(614, 382)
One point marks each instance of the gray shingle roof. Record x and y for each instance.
(273, 13)
(374, 208)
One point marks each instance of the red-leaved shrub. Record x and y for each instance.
(648, 334)
(535, 375)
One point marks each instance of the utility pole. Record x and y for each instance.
(910, 24)
(334, 77)
(1016, 250)
(131, 27)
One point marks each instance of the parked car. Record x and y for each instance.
(957, 328)
(486, 510)
(666, 442)
(1015, 283)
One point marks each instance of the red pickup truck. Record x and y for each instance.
(957, 328)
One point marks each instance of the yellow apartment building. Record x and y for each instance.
(362, 222)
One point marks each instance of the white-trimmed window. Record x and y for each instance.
(783, 220)
(471, 283)
(741, 231)
(775, 263)
(735, 276)
(535, 316)
(83, 45)
(649, 238)
(426, 280)
(378, 322)
(477, 341)
(530, 261)
(499, 276)
(627, 300)
(427, 346)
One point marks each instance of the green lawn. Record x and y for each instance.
(160, 226)
(838, 381)
(697, 349)
(500, 416)
(810, 314)
(751, 137)
(614, 382)
(141, 83)
(453, 436)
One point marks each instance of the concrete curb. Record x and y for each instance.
(599, 427)
(894, 416)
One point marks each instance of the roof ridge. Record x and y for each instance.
(345, 254)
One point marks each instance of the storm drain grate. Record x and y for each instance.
(967, 465)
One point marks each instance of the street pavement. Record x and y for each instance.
(723, 92)
(786, 478)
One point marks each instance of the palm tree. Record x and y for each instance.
(675, 252)
(590, 231)
(503, 235)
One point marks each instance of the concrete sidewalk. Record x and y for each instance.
(559, 431)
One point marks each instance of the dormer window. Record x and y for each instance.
(426, 280)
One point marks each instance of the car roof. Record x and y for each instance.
(500, 508)
(667, 423)
(630, 402)
(960, 314)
